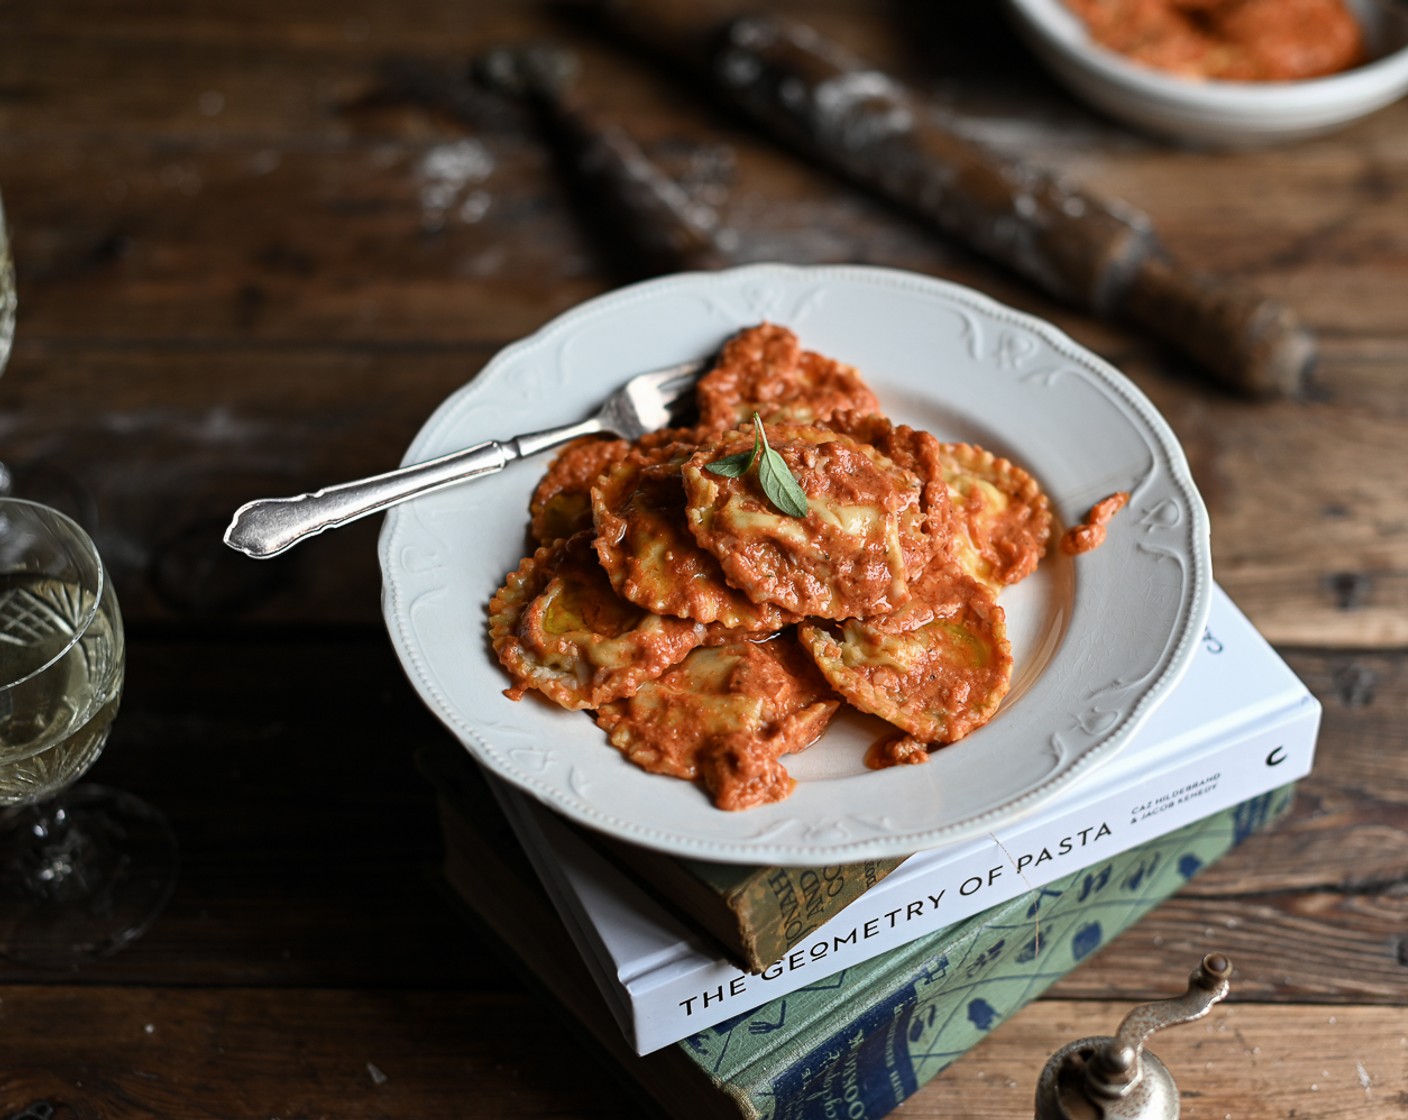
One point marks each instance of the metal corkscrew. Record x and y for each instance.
(1116, 1078)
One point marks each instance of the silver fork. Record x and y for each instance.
(269, 526)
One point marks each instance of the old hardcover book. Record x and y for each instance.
(755, 913)
(861, 1041)
(1237, 725)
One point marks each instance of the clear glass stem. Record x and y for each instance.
(81, 875)
(51, 856)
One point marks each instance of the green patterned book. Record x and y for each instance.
(859, 1042)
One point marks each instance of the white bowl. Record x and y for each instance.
(1218, 113)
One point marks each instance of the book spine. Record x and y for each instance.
(860, 1046)
(1025, 856)
(755, 913)
(778, 907)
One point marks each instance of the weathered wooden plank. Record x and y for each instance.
(435, 233)
(1316, 908)
(210, 123)
(454, 238)
(105, 1052)
(269, 71)
(155, 453)
(1310, 546)
(1245, 1060)
(465, 239)
(310, 843)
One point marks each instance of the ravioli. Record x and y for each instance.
(562, 501)
(937, 668)
(765, 370)
(558, 627)
(649, 554)
(844, 559)
(712, 633)
(1002, 519)
(927, 525)
(724, 716)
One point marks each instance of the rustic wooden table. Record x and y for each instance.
(248, 265)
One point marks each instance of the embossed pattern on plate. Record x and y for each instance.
(1097, 641)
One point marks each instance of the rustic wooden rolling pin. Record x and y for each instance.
(1096, 254)
(645, 220)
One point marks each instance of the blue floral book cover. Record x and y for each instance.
(856, 1043)
(860, 1042)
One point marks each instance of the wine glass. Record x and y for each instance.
(38, 480)
(7, 307)
(83, 871)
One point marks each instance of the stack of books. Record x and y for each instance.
(795, 992)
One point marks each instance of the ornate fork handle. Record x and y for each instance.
(269, 526)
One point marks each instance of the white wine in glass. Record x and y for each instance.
(36, 480)
(82, 871)
(7, 292)
(7, 317)
(63, 650)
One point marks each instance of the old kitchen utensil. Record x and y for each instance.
(1116, 1078)
(269, 526)
(1097, 254)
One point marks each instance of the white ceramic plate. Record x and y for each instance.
(1216, 113)
(1097, 641)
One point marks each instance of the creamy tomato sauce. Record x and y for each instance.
(1229, 40)
(562, 502)
(651, 557)
(895, 749)
(1090, 533)
(765, 370)
(937, 668)
(713, 632)
(844, 559)
(927, 524)
(1001, 517)
(725, 716)
(557, 626)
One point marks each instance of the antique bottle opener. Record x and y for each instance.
(1116, 1078)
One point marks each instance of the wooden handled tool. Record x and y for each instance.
(1096, 254)
(652, 224)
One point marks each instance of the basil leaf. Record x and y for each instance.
(735, 466)
(780, 487)
(732, 466)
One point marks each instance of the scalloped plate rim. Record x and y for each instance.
(403, 528)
